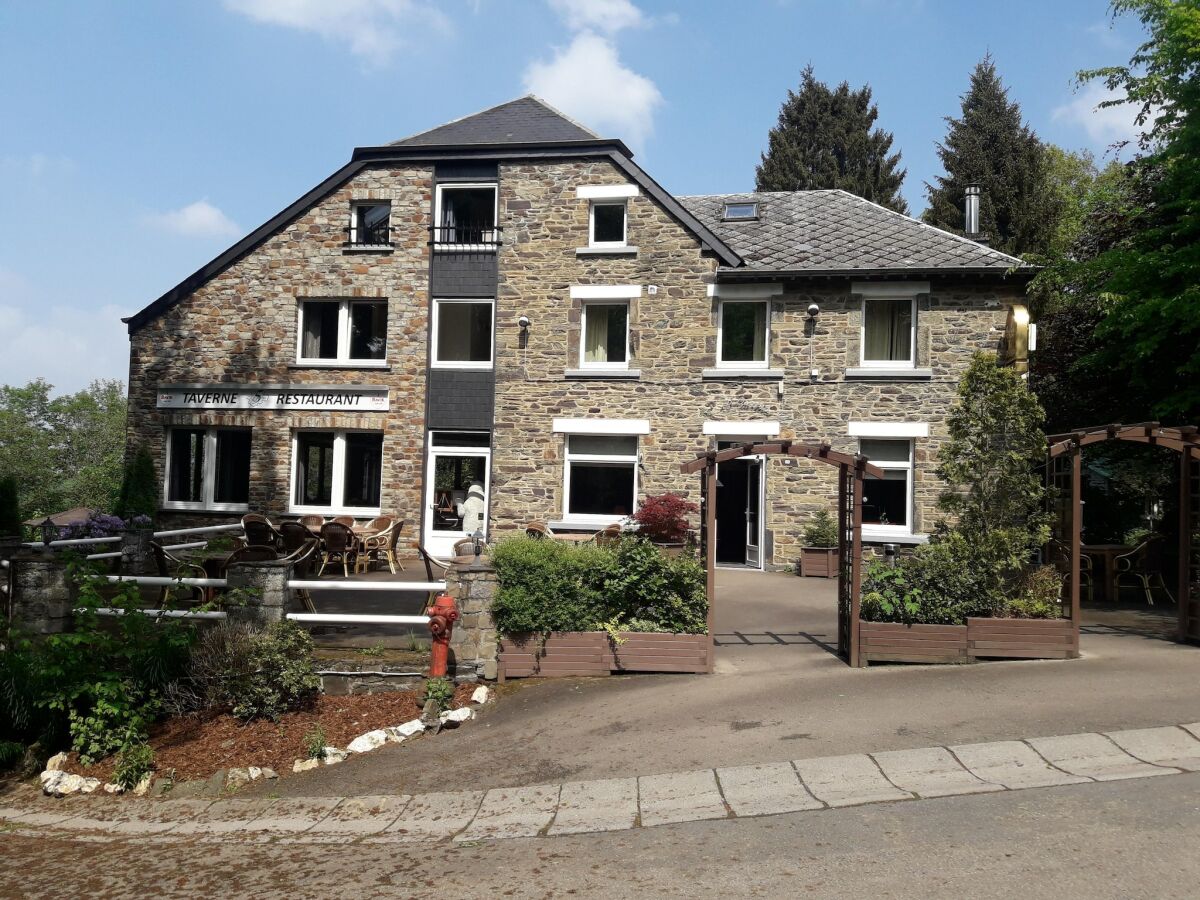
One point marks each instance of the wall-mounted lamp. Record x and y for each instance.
(523, 339)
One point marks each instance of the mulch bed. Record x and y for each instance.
(195, 746)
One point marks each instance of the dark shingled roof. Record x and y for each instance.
(834, 231)
(526, 120)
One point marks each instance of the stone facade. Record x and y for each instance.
(240, 327)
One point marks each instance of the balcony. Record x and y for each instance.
(369, 237)
(465, 237)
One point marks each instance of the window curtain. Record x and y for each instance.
(312, 332)
(595, 336)
(449, 221)
(760, 332)
(888, 330)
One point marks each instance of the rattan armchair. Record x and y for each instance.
(1145, 564)
(381, 546)
(338, 544)
(171, 566)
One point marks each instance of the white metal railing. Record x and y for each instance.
(335, 585)
(117, 555)
(164, 581)
(194, 545)
(206, 529)
(356, 619)
(160, 613)
(73, 542)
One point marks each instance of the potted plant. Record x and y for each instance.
(663, 520)
(819, 554)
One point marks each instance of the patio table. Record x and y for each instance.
(1104, 557)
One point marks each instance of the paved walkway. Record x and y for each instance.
(620, 804)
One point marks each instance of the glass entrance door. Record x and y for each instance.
(754, 513)
(457, 484)
(740, 486)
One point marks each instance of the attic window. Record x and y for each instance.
(737, 212)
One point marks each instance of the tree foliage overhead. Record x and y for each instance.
(826, 138)
(62, 451)
(989, 144)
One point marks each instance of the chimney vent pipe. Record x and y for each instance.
(971, 211)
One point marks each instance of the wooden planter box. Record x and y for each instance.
(1022, 638)
(819, 562)
(894, 642)
(593, 653)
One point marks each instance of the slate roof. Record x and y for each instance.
(833, 231)
(526, 120)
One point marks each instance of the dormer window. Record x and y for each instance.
(370, 225)
(741, 212)
(465, 217)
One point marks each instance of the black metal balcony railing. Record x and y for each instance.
(465, 235)
(369, 235)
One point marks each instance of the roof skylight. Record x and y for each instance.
(735, 212)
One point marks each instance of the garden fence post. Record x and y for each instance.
(136, 555)
(41, 600)
(473, 642)
(264, 596)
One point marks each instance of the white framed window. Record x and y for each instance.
(600, 479)
(888, 502)
(370, 223)
(743, 334)
(465, 216)
(337, 472)
(741, 212)
(888, 333)
(604, 335)
(340, 332)
(462, 333)
(207, 468)
(607, 223)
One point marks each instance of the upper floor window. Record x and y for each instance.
(742, 333)
(740, 211)
(337, 471)
(604, 336)
(370, 224)
(333, 332)
(208, 468)
(465, 216)
(462, 334)
(889, 331)
(607, 224)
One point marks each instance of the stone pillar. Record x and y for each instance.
(267, 597)
(136, 556)
(473, 586)
(41, 593)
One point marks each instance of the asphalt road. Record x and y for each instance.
(1124, 839)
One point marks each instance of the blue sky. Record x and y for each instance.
(141, 139)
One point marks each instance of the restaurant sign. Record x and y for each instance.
(336, 398)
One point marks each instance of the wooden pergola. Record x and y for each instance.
(1185, 440)
(851, 470)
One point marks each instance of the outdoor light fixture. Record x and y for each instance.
(813, 311)
(477, 542)
(523, 322)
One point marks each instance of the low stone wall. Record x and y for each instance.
(473, 643)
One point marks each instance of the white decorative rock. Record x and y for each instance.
(112, 788)
(59, 784)
(254, 772)
(89, 785)
(142, 787)
(237, 777)
(56, 762)
(269, 773)
(372, 740)
(334, 755)
(398, 733)
(457, 715)
(304, 765)
(481, 694)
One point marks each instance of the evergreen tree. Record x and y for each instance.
(991, 146)
(10, 516)
(139, 489)
(827, 139)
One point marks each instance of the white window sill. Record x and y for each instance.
(889, 372)
(886, 536)
(330, 511)
(205, 508)
(606, 251)
(594, 523)
(341, 364)
(733, 372)
(368, 248)
(630, 374)
(463, 366)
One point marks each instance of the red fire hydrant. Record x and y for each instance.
(443, 613)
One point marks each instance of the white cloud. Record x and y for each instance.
(587, 80)
(372, 29)
(199, 219)
(609, 16)
(69, 346)
(1103, 126)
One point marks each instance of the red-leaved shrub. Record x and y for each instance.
(663, 518)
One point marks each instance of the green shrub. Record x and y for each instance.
(11, 753)
(440, 691)
(139, 487)
(555, 586)
(134, 762)
(10, 513)
(822, 531)
(254, 672)
(315, 743)
(941, 583)
(1038, 595)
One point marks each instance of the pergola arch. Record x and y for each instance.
(1183, 439)
(852, 468)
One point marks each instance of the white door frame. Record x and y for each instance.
(441, 542)
(760, 461)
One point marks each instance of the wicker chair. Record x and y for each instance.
(607, 536)
(259, 531)
(1145, 564)
(253, 553)
(381, 547)
(348, 521)
(171, 566)
(302, 559)
(1060, 558)
(465, 547)
(538, 530)
(293, 536)
(312, 523)
(338, 544)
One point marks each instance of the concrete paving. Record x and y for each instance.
(680, 797)
(848, 780)
(355, 817)
(433, 817)
(513, 813)
(1172, 747)
(609, 804)
(1012, 764)
(1093, 756)
(930, 772)
(766, 790)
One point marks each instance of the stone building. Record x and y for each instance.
(505, 319)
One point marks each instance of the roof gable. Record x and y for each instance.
(526, 120)
(834, 231)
